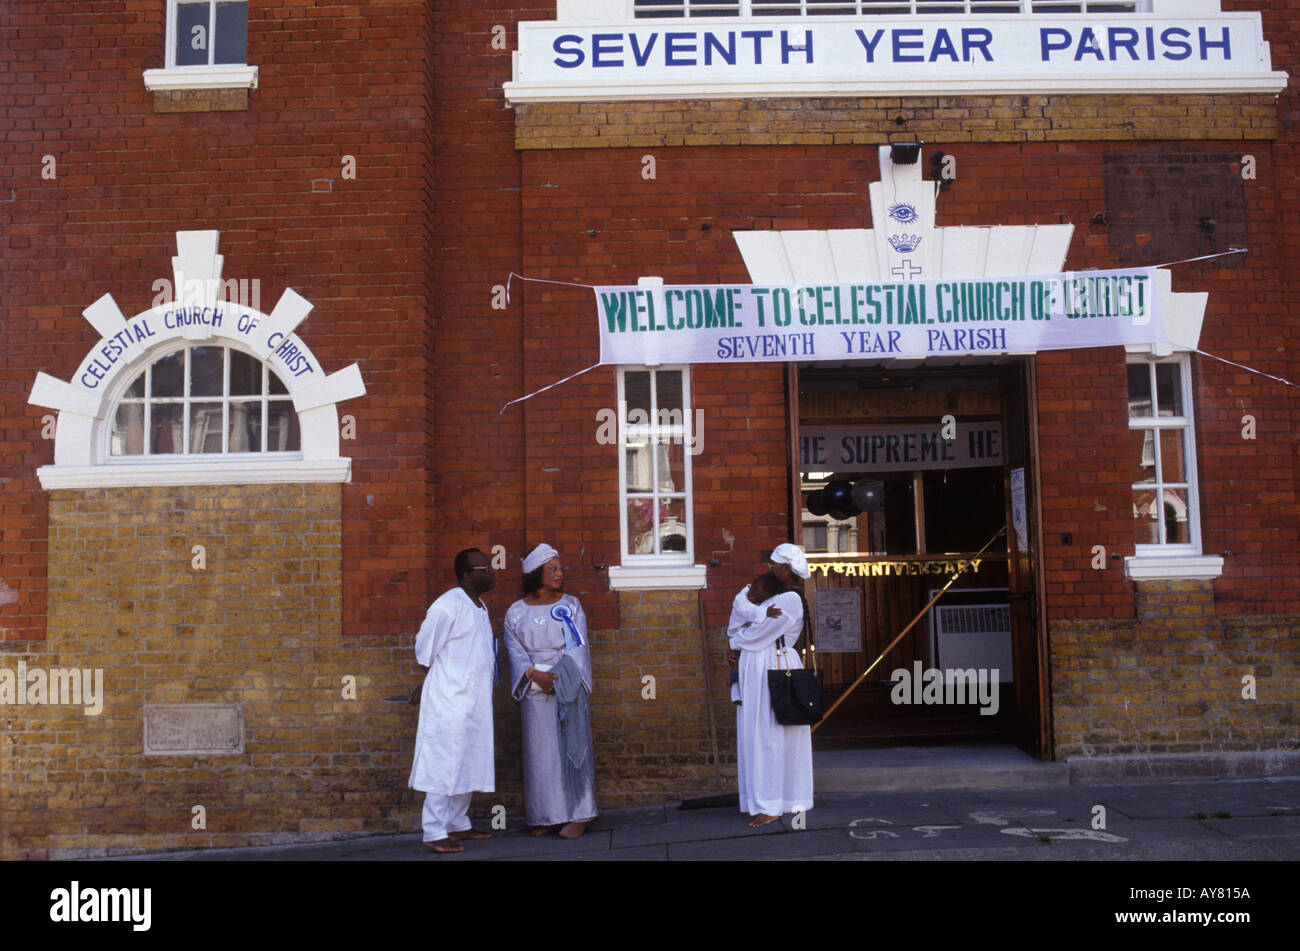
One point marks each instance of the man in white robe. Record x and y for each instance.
(774, 762)
(453, 744)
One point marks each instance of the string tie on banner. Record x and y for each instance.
(1242, 366)
(1205, 257)
(545, 388)
(542, 280)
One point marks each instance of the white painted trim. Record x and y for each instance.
(1173, 567)
(658, 578)
(212, 471)
(1270, 83)
(201, 77)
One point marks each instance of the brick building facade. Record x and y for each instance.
(392, 164)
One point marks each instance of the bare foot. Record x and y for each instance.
(470, 834)
(544, 830)
(762, 819)
(573, 830)
(443, 846)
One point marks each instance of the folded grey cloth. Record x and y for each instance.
(573, 710)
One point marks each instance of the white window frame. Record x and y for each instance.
(1183, 560)
(669, 570)
(211, 76)
(104, 455)
(762, 8)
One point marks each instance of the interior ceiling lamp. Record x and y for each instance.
(904, 153)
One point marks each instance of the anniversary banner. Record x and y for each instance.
(754, 323)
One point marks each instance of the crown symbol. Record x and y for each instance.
(904, 243)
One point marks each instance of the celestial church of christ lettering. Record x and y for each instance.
(300, 301)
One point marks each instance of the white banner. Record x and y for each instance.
(757, 323)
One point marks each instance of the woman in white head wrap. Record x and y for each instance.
(550, 676)
(773, 762)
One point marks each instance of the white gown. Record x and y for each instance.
(535, 639)
(453, 743)
(774, 762)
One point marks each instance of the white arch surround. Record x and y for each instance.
(194, 315)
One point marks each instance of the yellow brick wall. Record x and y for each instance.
(847, 121)
(1170, 680)
(650, 750)
(259, 626)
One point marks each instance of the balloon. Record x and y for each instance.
(816, 503)
(842, 514)
(839, 495)
(868, 494)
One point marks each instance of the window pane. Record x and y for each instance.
(245, 374)
(636, 391)
(169, 376)
(167, 429)
(192, 34)
(136, 390)
(639, 475)
(205, 371)
(1139, 390)
(246, 426)
(277, 388)
(205, 427)
(1142, 452)
(1177, 530)
(672, 525)
(900, 514)
(232, 32)
(814, 536)
(672, 465)
(963, 508)
(1172, 468)
(1146, 528)
(1169, 391)
(668, 393)
(640, 526)
(128, 430)
(282, 427)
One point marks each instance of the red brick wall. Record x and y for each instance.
(589, 217)
(335, 80)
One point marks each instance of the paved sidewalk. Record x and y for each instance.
(1254, 819)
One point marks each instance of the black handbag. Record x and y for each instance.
(796, 694)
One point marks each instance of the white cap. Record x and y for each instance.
(540, 556)
(792, 555)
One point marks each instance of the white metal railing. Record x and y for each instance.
(663, 9)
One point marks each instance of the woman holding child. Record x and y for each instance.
(774, 762)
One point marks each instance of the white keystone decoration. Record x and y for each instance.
(195, 315)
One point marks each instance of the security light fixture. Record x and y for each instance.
(904, 153)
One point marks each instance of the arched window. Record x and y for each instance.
(204, 400)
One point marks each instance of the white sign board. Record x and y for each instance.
(974, 54)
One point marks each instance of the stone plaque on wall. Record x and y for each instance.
(177, 729)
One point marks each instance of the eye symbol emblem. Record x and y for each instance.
(903, 214)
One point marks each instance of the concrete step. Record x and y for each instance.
(933, 767)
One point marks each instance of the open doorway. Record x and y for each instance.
(901, 478)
